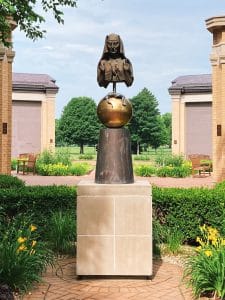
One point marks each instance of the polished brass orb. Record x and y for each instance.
(114, 112)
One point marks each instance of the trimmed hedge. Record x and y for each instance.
(8, 182)
(187, 209)
(38, 202)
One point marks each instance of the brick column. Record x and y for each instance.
(216, 25)
(6, 59)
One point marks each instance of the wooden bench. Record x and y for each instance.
(198, 165)
(26, 163)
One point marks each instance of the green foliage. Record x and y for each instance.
(178, 172)
(77, 169)
(145, 125)
(145, 170)
(61, 156)
(38, 202)
(86, 156)
(167, 121)
(189, 208)
(13, 163)
(28, 20)
(79, 123)
(174, 239)
(169, 160)
(8, 181)
(158, 236)
(23, 257)
(205, 271)
(62, 235)
(52, 169)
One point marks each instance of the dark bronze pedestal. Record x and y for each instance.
(114, 161)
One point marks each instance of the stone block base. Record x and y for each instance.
(114, 229)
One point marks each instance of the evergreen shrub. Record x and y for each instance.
(8, 181)
(37, 201)
(187, 209)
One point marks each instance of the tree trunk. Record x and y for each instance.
(138, 148)
(81, 148)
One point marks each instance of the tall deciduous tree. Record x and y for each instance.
(79, 123)
(145, 126)
(24, 13)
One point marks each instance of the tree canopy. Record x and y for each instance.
(24, 13)
(145, 125)
(79, 123)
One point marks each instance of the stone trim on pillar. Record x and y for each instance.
(216, 25)
(178, 124)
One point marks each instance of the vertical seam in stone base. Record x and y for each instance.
(114, 234)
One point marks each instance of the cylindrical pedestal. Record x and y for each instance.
(114, 161)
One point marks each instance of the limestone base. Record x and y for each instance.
(114, 229)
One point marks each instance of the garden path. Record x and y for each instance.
(31, 179)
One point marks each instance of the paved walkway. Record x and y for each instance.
(61, 283)
(30, 179)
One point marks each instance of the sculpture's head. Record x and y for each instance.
(113, 45)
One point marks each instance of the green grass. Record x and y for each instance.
(74, 151)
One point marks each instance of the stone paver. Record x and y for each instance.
(61, 283)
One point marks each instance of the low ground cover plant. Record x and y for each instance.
(205, 271)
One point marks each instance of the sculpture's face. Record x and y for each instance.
(113, 43)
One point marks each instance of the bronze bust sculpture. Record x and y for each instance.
(114, 66)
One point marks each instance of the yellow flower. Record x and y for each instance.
(32, 227)
(33, 243)
(21, 240)
(198, 248)
(22, 248)
(208, 253)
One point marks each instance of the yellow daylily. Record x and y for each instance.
(33, 243)
(22, 248)
(208, 253)
(21, 240)
(32, 227)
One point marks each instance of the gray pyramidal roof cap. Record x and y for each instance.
(191, 84)
(33, 82)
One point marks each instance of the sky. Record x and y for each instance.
(163, 39)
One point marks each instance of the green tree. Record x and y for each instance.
(145, 125)
(24, 13)
(79, 123)
(167, 120)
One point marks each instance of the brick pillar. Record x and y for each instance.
(6, 59)
(216, 25)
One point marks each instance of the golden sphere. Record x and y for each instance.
(114, 112)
